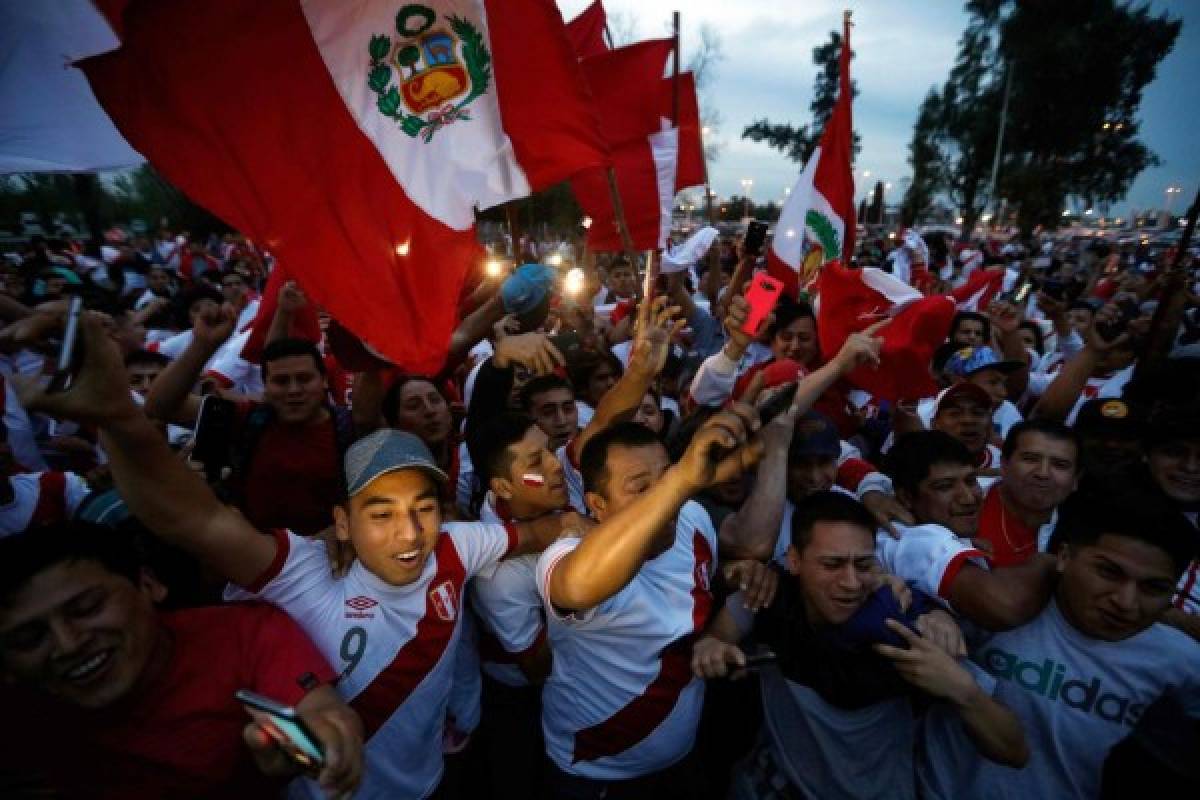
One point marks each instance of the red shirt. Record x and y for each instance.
(294, 478)
(1013, 542)
(181, 735)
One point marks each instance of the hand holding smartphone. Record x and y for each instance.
(285, 727)
(70, 350)
(756, 235)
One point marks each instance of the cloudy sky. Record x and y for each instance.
(902, 48)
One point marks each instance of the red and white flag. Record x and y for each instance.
(652, 158)
(981, 288)
(356, 138)
(586, 31)
(816, 223)
(852, 299)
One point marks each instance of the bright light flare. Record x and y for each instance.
(554, 259)
(494, 267)
(402, 248)
(586, 222)
(573, 281)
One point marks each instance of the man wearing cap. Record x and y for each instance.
(1110, 433)
(391, 624)
(983, 367)
(965, 412)
(1173, 456)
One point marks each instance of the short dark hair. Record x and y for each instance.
(1132, 511)
(287, 348)
(488, 444)
(540, 385)
(146, 357)
(1047, 427)
(963, 316)
(788, 311)
(913, 455)
(828, 506)
(581, 371)
(26, 554)
(593, 462)
(196, 294)
(1039, 341)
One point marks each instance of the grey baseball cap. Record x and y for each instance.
(387, 450)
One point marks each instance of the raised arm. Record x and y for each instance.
(170, 398)
(1064, 391)
(1006, 598)
(472, 330)
(167, 497)
(646, 360)
(612, 553)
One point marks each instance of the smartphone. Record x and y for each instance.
(284, 725)
(1021, 293)
(781, 401)
(212, 435)
(761, 659)
(70, 349)
(762, 296)
(756, 235)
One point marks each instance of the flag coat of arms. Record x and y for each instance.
(816, 223)
(355, 139)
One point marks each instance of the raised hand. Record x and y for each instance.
(887, 509)
(927, 666)
(532, 350)
(722, 448)
(862, 348)
(215, 326)
(291, 298)
(756, 581)
(652, 344)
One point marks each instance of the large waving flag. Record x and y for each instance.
(816, 223)
(586, 31)
(355, 138)
(980, 290)
(852, 299)
(652, 158)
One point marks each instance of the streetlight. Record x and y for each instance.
(1171, 192)
(747, 184)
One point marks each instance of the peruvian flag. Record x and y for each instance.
(981, 288)
(586, 31)
(355, 138)
(852, 299)
(652, 159)
(304, 325)
(816, 224)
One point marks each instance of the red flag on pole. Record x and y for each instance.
(816, 224)
(586, 31)
(355, 141)
(305, 325)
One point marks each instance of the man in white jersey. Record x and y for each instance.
(524, 481)
(391, 623)
(1081, 674)
(623, 604)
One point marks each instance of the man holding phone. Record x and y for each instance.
(118, 699)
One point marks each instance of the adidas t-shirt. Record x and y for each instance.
(393, 645)
(1076, 698)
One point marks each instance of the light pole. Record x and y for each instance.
(747, 184)
(883, 203)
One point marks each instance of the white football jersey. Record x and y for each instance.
(506, 600)
(621, 700)
(572, 476)
(39, 498)
(394, 645)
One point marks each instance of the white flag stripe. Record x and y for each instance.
(664, 146)
(788, 242)
(475, 150)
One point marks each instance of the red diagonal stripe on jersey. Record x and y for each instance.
(644, 713)
(395, 682)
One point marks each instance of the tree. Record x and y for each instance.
(798, 142)
(1075, 71)
(703, 66)
(875, 210)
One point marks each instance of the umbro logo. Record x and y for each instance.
(360, 607)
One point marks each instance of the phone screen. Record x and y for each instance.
(283, 725)
(756, 234)
(212, 436)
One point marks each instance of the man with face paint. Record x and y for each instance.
(1080, 675)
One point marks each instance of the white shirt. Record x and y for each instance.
(1076, 698)
(21, 437)
(28, 488)
(395, 645)
(621, 700)
(928, 555)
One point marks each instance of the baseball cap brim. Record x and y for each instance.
(368, 477)
(964, 389)
(1000, 366)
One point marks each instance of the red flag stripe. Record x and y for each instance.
(586, 31)
(395, 682)
(644, 713)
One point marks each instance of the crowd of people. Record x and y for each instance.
(619, 547)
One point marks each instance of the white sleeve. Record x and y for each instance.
(508, 604)
(874, 482)
(928, 555)
(297, 580)
(545, 565)
(714, 381)
(481, 544)
(573, 478)
(74, 491)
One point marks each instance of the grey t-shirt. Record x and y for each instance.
(1076, 697)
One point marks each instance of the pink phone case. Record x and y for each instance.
(762, 296)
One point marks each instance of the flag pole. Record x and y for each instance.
(675, 69)
(627, 242)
